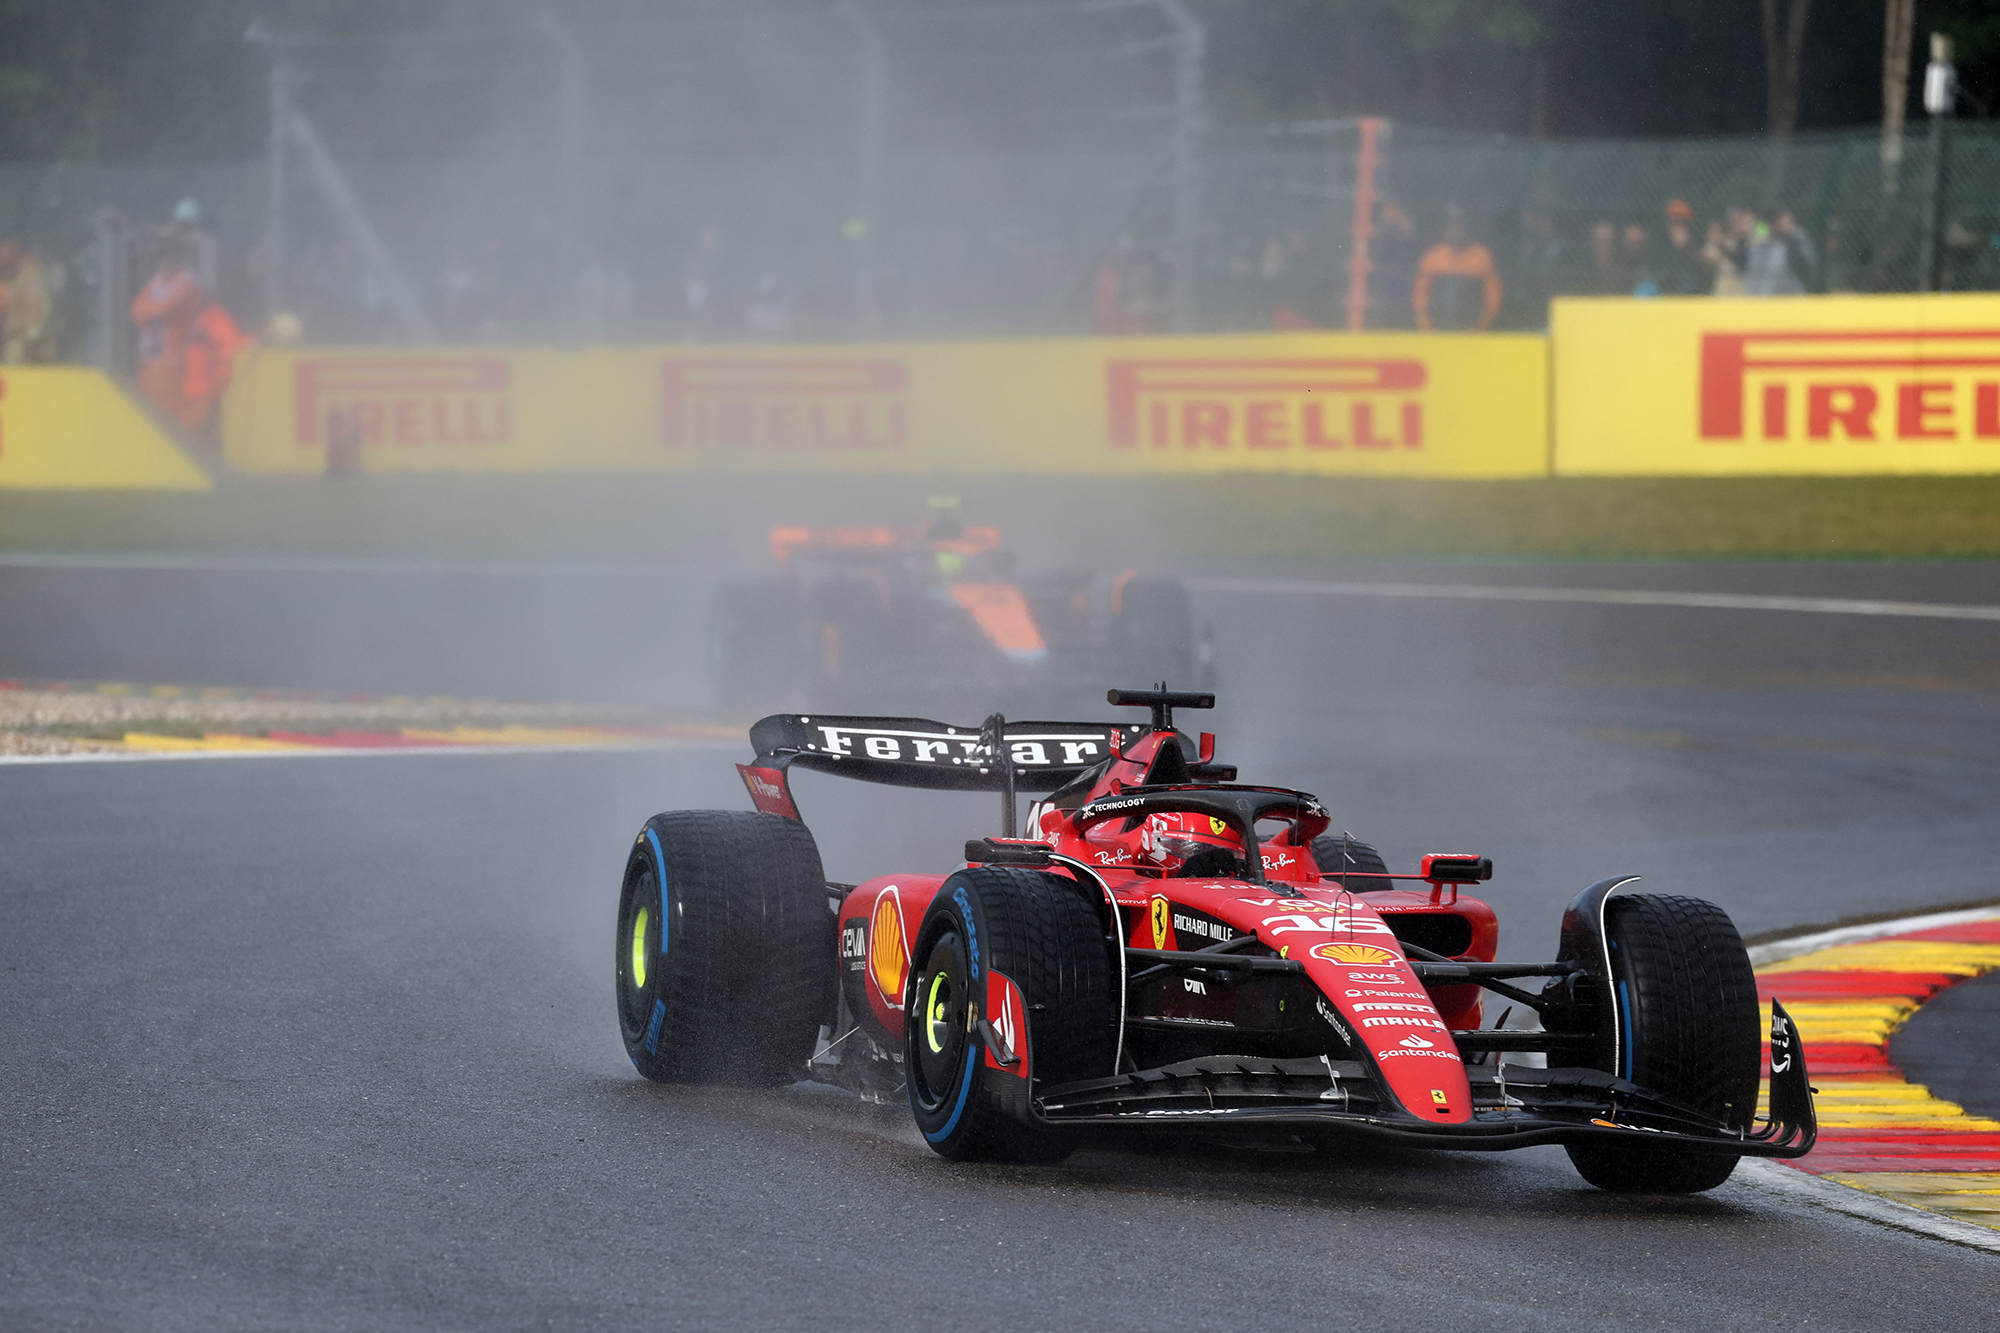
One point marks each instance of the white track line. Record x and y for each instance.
(1779, 950)
(372, 751)
(1815, 1191)
(231, 564)
(1819, 1192)
(1715, 601)
(1476, 592)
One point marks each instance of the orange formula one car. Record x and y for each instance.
(857, 613)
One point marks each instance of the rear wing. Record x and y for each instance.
(1000, 756)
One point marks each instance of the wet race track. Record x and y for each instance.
(330, 1042)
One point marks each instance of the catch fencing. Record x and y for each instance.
(780, 172)
(754, 248)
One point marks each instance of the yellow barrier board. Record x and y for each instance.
(1440, 405)
(1830, 385)
(68, 428)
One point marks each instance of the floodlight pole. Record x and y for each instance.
(571, 115)
(1190, 44)
(1189, 62)
(1940, 96)
(861, 228)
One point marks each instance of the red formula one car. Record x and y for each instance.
(1169, 948)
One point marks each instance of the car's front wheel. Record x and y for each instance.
(1690, 1032)
(1012, 989)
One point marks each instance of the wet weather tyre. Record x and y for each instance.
(985, 927)
(1336, 857)
(1153, 633)
(756, 653)
(1691, 1034)
(726, 961)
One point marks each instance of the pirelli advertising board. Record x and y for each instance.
(1829, 385)
(1392, 405)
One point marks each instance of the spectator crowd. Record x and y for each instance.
(1451, 273)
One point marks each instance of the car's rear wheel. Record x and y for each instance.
(1338, 857)
(1689, 998)
(726, 962)
(986, 930)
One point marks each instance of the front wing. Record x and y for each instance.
(1513, 1106)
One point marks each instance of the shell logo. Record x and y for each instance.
(888, 953)
(1354, 953)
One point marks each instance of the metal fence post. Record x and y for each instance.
(284, 75)
(109, 348)
(1940, 96)
(1359, 265)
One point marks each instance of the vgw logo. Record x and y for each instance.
(1255, 405)
(1861, 386)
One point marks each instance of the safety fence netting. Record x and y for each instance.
(762, 172)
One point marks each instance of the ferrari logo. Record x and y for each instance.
(1220, 829)
(1163, 922)
(1437, 1095)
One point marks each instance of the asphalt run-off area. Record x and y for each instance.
(327, 1041)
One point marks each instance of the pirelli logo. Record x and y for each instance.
(1860, 386)
(406, 400)
(776, 404)
(1265, 405)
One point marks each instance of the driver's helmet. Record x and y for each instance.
(1185, 844)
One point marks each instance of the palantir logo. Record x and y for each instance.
(1272, 404)
(1911, 385)
(841, 403)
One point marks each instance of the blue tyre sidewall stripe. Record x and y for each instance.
(964, 1092)
(1625, 1020)
(660, 862)
(972, 1048)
